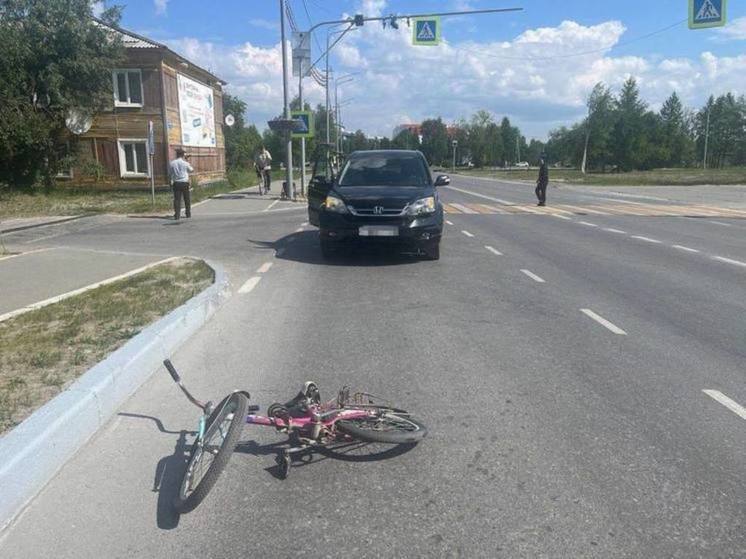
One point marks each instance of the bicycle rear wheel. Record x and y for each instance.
(384, 427)
(208, 460)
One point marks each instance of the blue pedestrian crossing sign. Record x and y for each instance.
(707, 13)
(306, 129)
(426, 31)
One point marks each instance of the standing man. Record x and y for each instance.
(542, 181)
(178, 171)
(264, 164)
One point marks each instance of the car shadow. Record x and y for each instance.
(304, 247)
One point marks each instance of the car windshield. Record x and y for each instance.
(385, 170)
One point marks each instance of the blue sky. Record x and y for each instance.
(493, 62)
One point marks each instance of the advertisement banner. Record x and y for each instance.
(197, 113)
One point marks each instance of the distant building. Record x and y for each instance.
(184, 103)
(416, 129)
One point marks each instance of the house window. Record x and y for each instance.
(133, 158)
(127, 88)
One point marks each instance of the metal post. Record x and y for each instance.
(707, 135)
(328, 137)
(302, 140)
(454, 144)
(288, 139)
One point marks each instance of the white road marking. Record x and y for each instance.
(272, 205)
(467, 233)
(250, 284)
(493, 250)
(732, 405)
(612, 230)
(304, 224)
(24, 253)
(562, 216)
(720, 223)
(729, 260)
(533, 276)
(449, 222)
(687, 249)
(69, 294)
(603, 322)
(264, 268)
(588, 224)
(646, 239)
(498, 200)
(463, 208)
(299, 230)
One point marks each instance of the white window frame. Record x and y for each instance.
(126, 71)
(123, 160)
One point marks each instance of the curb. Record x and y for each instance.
(44, 223)
(34, 451)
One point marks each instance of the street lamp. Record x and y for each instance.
(454, 143)
(346, 78)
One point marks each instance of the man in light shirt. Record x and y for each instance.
(264, 165)
(178, 171)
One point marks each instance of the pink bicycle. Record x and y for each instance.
(305, 420)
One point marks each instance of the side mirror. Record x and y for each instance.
(442, 180)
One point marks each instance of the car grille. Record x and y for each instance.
(377, 211)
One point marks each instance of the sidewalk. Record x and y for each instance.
(34, 276)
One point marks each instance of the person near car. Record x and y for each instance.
(264, 164)
(178, 171)
(542, 182)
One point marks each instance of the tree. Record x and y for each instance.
(406, 139)
(435, 144)
(510, 140)
(629, 135)
(53, 58)
(676, 140)
(598, 125)
(241, 142)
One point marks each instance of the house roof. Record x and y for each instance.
(132, 40)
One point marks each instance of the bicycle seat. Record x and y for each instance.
(299, 404)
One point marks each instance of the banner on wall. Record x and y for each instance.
(197, 113)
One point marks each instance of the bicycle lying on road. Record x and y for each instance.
(305, 419)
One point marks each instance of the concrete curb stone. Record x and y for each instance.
(34, 451)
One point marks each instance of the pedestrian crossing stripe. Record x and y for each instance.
(636, 209)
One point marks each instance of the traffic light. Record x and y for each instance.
(359, 20)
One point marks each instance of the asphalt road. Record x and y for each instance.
(560, 364)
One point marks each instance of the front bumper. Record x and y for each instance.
(412, 230)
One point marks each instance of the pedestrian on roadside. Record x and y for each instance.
(178, 171)
(264, 164)
(542, 181)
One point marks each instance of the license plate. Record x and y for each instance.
(379, 231)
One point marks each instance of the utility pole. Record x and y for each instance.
(288, 139)
(454, 143)
(707, 136)
(302, 140)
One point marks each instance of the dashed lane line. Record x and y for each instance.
(729, 261)
(684, 248)
(587, 224)
(612, 230)
(467, 233)
(603, 322)
(533, 276)
(250, 284)
(646, 239)
(264, 268)
(493, 250)
(562, 217)
(449, 222)
(720, 223)
(732, 405)
(299, 230)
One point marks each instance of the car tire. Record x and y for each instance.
(432, 251)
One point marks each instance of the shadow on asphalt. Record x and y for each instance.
(347, 451)
(168, 474)
(304, 247)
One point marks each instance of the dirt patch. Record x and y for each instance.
(44, 351)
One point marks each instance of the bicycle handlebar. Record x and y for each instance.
(172, 370)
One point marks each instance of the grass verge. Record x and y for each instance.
(44, 351)
(657, 177)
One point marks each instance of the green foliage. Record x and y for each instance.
(53, 58)
(242, 142)
(435, 144)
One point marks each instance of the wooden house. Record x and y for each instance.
(184, 103)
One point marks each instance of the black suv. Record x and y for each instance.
(379, 196)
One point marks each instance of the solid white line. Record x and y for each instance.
(587, 223)
(264, 268)
(729, 260)
(250, 284)
(467, 233)
(533, 276)
(498, 200)
(493, 250)
(562, 216)
(687, 249)
(646, 239)
(720, 223)
(69, 294)
(611, 230)
(272, 205)
(24, 253)
(732, 405)
(603, 322)
(449, 222)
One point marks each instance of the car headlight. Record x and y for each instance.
(334, 204)
(423, 206)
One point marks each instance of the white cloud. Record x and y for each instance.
(160, 6)
(98, 8)
(734, 31)
(536, 79)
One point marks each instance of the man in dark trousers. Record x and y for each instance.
(542, 182)
(178, 171)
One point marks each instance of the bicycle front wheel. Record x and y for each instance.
(208, 459)
(384, 427)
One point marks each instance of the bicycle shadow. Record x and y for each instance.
(169, 472)
(346, 451)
